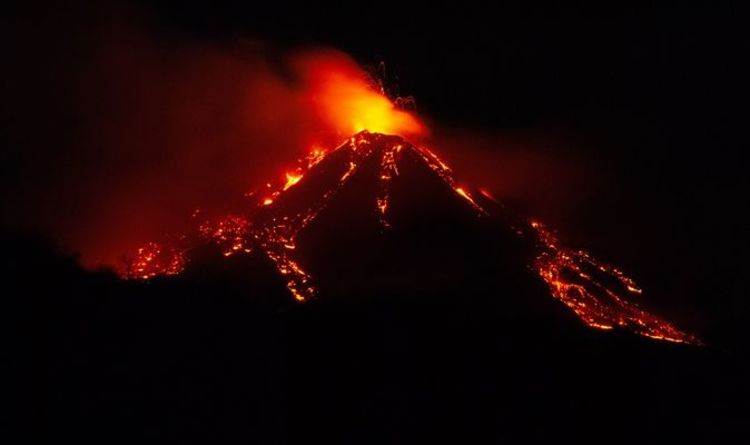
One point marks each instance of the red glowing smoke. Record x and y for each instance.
(145, 130)
(163, 129)
(336, 92)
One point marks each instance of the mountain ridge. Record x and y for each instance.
(331, 223)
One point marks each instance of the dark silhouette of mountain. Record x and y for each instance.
(380, 216)
(428, 322)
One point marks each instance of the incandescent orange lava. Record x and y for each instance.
(578, 280)
(154, 259)
(351, 102)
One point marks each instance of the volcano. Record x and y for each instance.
(378, 216)
(369, 295)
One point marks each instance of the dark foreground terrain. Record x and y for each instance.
(221, 355)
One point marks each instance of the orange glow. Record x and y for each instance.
(230, 233)
(382, 205)
(600, 302)
(347, 100)
(463, 193)
(227, 119)
(316, 155)
(487, 195)
(153, 259)
(291, 179)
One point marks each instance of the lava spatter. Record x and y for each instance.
(154, 259)
(231, 233)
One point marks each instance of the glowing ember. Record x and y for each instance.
(231, 233)
(388, 169)
(291, 179)
(316, 155)
(466, 196)
(442, 170)
(153, 259)
(487, 195)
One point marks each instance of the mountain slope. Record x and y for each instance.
(380, 216)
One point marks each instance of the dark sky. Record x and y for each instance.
(643, 111)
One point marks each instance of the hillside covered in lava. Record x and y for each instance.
(380, 216)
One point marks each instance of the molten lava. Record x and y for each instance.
(291, 179)
(595, 291)
(230, 233)
(155, 259)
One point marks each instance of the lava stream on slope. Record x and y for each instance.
(597, 293)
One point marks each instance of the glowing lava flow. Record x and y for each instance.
(154, 259)
(230, 233)
(595, 292)
(578, 280)
(445, 173)
(278, 236)
(291, 179)
(388, 169)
